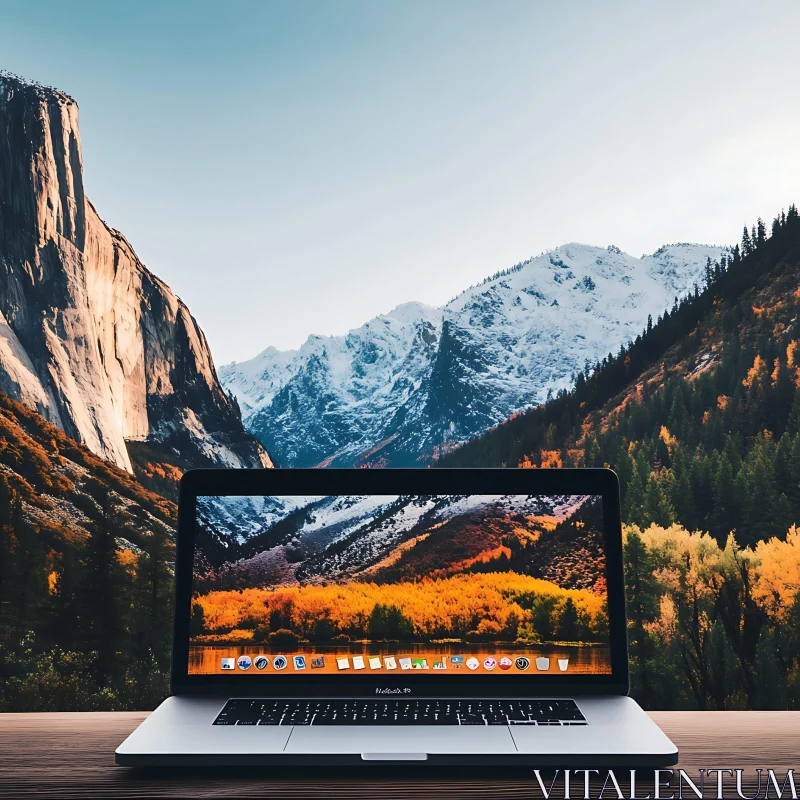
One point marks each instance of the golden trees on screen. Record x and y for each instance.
(488, 606)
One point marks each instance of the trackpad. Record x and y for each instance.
(414, 741)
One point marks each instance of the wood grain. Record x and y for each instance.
(72, 755)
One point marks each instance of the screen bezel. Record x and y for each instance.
(400, 481)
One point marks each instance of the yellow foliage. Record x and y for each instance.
(458, 602)
(778, 573)
(693, 565)
(666, 626)
(688, 562)
(669, 440)
(52, 582)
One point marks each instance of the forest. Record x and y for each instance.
(495, 606)
(86, 575)
(710, 625)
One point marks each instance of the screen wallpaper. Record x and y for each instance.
(449, 584)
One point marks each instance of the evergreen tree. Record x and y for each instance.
(746, 243)
(152, 613)
(642, 593)
(761, 232)
(9, 568)
(568, 622)
(725, 514)
(658, 509)
(103, 613)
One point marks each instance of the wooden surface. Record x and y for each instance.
(72, 755)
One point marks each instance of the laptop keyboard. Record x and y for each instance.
(248, 711)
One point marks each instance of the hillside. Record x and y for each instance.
(700, 417)
(418, 380)
(700, 410)
(89, 337)
(86, 559)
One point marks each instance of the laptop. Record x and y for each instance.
(420, 617)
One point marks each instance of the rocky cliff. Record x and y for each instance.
(89, 337)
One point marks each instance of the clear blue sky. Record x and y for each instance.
(296, 168)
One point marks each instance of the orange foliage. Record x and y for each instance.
(576, 457)
(722, 402)
(791, 359)
(758, 368)
(551, 458)
(128, 559)
(455, 605)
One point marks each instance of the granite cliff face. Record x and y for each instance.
(89, 338)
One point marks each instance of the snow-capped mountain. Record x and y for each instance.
(89, 337)
(418, 379)
(284, 540)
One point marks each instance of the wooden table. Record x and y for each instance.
(72, 755)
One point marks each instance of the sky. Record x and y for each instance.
(297, 168)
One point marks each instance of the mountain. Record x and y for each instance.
(90, 338)
(699, 416)
(391, 538)
(412, 383)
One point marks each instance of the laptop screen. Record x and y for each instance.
(381, 584)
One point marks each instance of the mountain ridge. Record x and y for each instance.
(413, 382)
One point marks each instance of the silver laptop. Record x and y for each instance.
(428, 617)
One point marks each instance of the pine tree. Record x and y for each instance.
(725, 512)
(9, 567)
(568, 622)
(709, 272)
(657, 508)
(642, 592)
(633, 499)
(102, 609)
(152, 614)
(746, 243)
(761, 232)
